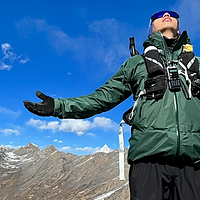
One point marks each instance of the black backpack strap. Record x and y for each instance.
(190, 70)
(156, 83)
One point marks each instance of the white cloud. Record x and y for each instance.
(59, 141)
(79, 150)
(105, 123)
(87, 149)
(68, 148)
(10, 132)
(43, 125)
(91, 134)
(3, 66)
(10, 57)
(77, 126)
(106, 43)
(23, 58)
(35, 123)
(9, 112)
(6, 50)
(50, 126)
(67, 125)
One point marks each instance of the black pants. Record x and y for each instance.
(160, 181)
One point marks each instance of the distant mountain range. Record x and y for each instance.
(29, 173)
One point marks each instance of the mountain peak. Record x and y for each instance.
(54, 175)
(104, 149)
(32, 146)
(50, 149)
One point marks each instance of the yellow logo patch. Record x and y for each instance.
(187, 48)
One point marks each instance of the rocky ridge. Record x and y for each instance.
(31, 173)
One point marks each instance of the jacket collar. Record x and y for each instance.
(158, 41)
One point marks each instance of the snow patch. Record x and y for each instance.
(12, 160)
(108, 194)
(104, 149)
(85, 161)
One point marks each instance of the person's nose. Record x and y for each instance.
(166, 15)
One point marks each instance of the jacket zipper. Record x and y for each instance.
(177, 125)
(176, 110)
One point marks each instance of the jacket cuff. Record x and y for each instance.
(57, 108)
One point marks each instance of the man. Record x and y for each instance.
(164, 151)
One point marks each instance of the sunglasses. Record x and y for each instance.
(160, 14)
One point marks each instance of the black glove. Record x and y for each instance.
(45, 108)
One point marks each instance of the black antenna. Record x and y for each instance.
(132, 49)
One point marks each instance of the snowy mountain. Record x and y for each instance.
(31, 173)
(104, 149)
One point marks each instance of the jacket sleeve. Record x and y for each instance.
(112, 93)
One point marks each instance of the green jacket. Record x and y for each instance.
(167, 128)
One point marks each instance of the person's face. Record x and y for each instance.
(166, 23)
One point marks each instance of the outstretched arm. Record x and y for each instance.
(112, 93)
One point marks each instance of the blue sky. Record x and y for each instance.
(68, 49)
